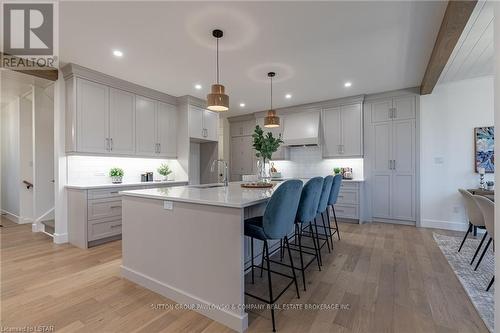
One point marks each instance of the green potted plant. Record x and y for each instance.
(116, 175)
(265, 145)
(164, 170)
(337, 171)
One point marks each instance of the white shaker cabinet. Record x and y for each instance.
(392, 158)
(146, 136)
(92, 117)
(343, 131)
(121, 122)
(156, 129)
(203, 124)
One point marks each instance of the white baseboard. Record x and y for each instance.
(11, 217)
(25, 220)
(447, 225)
(37, 227)
(230, 319)
(60, 238)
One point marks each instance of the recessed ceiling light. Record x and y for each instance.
(347, 84)
(118, 53)
(288, 96)
(198, 86)
(242, 105)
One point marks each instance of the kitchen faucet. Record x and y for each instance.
(224, 163)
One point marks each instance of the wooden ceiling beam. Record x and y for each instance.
(455, 18)
(48, 73)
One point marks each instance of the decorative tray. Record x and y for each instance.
(257, 185)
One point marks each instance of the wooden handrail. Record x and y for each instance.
(28, 184)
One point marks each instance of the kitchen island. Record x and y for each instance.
(187, 244)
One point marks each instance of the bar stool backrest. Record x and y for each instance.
(325, 193)
(309, 199)
(334, 193)
(487, 207)
(281, 209)
(473, 212)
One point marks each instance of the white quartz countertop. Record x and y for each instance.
(110, 185)
(231, 196)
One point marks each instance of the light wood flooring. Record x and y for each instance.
(392, 279)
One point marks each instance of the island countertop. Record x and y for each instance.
(231, 196)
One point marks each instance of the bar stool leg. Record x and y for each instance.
(251, 252)
(326, 235)
(293, 268)
(465, 237)
(317, 241)
(336, 224)
(262, 259)
(266, 249)
(482, 254)
(315, 247)
(479, 247)
(301, 260)
(491, 283)
(328, 229)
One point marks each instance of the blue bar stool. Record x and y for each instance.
(332, 200)
(277, 222)
(309, 201)
(323, 203)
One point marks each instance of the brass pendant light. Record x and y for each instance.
(217, 100)
(271, 120)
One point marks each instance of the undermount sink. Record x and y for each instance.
(207, 185)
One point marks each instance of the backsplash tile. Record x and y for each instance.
(94, 170)
(308, 162)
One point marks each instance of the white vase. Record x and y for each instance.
(116, 179)
(263, 170)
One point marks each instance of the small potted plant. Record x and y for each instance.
(337, 171)
(164, 170)
(116, 175)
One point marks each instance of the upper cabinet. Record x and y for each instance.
(203, 124)
(343, 131)
(397, 108)
(106, 120)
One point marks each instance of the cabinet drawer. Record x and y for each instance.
(346, 211)
(110, 192)
(103, 208)
(350, 197)
(104, 228)
(349, 185)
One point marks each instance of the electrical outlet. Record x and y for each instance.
(168, 205)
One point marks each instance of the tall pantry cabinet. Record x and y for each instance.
(391, 158)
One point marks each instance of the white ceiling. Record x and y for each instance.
(473, 54)
(313, 46)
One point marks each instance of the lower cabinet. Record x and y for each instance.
(95, 215)
(348, 202)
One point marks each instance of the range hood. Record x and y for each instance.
(301, 129)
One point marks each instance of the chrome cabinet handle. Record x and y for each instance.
(115, 207)
(114, 192)
(107, 143)
(390, 164)
(159, 148)
(116, 226)
(111, 144)
(393, 164)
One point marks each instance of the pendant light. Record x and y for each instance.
(217, 100)
(271, 120)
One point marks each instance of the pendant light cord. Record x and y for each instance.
(271, 92)
(217, 60)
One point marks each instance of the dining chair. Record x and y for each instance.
(487, 208)
(278, 220)
(475, 218)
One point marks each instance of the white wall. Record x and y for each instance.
(308, 162)
(26, 158)
(448, 117)
(10, 158)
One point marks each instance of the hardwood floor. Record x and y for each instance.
(390, 278)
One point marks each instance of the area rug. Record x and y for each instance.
(474, 282)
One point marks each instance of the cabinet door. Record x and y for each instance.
(243, 128)
(403, 186)
(211, 125)
(145, 120)
(332, 136)
(352, 131)
(92, 117)
(381, 110)
(121, 122)
(381, 169)
(404, 107)
(241, 155)
(196, 123)
(167, 130)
